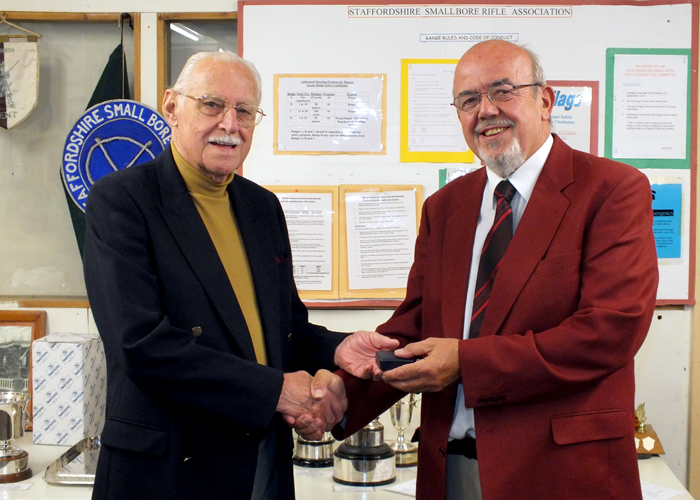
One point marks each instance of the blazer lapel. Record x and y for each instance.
(535, 232)
(260, 259)
(190, 233)
(457, 255)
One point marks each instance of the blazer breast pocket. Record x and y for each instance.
(571, 260)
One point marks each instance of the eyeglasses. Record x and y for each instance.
(498, 93)
(210, 105)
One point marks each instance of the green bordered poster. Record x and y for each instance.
(647, 107)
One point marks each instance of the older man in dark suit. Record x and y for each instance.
(189, 275)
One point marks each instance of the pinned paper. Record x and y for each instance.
(405, 488)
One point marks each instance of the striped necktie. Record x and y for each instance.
(494, 249)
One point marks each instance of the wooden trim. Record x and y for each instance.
(163, 59)
(37, 321)
(669, 307)
(47, 303)
(164, 18)
(353, 304)
(694, 423)
(194, 16)
(101, 17)
(137, 55)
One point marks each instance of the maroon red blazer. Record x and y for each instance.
(551, 376)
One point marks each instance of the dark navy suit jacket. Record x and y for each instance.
(187, 404)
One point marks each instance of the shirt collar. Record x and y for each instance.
(525, 177)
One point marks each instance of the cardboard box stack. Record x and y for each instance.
(69, 388)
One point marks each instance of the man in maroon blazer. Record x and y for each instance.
(540, 404)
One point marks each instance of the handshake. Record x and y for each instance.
(313, 405)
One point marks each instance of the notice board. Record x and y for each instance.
(580, 45)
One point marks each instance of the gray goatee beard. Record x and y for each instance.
(507, 162)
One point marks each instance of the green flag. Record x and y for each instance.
(113, 84)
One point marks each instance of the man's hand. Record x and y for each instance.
(355, 354)
(312, 405)
(295, 403)
(328, 388)
(438, 368)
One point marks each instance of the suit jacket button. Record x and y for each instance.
(289, 337)
(196, 331)
(442, 451)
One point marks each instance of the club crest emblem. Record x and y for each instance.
(108, 137)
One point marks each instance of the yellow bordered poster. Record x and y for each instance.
(327, 114)
(430, 129)
(378, 229)
(312, 222)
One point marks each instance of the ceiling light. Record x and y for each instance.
(178, 28)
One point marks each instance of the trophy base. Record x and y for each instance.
(312, 464)
(406, 453)
(407, 458)
(364, 466)
(314, 453)
(15, 468)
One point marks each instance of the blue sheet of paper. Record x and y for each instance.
(667, 219)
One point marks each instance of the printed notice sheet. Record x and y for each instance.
(310, 223)
(381, 234)
(571, 117)
(667, 219)
(431, 131)
(327, 114)
(650, 112)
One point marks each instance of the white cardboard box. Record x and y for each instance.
(69, 388)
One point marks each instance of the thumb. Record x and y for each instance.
(417, 349)
(382, 342)
(319, 384)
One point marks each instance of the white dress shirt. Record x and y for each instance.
(523, 179)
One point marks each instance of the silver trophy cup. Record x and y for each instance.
(364, 459)
(401, 414)
(310, 453)
(14, 462)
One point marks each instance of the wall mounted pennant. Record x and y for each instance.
(19, 81)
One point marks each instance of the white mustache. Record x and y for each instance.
(228, 140)
(491, 122)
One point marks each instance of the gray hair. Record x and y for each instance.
(183, 81)
(538, 73)
(537, 70)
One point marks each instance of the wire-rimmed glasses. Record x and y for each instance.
(211, 105)
(497, 93)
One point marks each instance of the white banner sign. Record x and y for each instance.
(19, 81)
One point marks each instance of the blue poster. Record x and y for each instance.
(667, 219)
